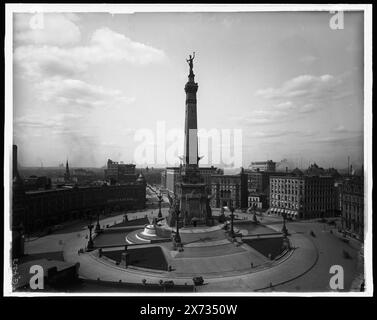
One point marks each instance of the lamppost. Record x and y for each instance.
(231, 221)
(255, 213)
(284, 229)
(284, 213)
(90, 242)
(159, 205)
(98, 227)
(177, 237)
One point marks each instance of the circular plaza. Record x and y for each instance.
(131, 251)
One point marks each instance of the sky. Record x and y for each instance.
(89, 86)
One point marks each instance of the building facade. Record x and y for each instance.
(257, 201)
(258, 184)
(229, 190)
(36, 210)
(171, 178)
(303, 197)
(268, 165)
(44, 208)
(35, 183)
(120, 172)
(352, 202)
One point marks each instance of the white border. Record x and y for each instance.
(132, 8)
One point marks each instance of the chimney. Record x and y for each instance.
(348, 166)
(286, 169)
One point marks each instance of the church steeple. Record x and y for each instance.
(67, 174)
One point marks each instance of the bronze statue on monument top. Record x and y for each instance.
(190, 62)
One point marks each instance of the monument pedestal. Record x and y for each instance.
(193, 204)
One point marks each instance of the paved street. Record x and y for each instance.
(225, 267)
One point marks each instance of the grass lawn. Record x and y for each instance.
(253, 228)
(110, 239)
(57, 255)
(151, 258)
(273, 246)
(136, 222)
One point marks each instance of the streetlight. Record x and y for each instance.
(90, 242)
(284, 213)
(177, 237)
(231, 221)
(159, 205)
(98, 227)
(284, 229)
(255, 213)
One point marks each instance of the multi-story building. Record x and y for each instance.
(268, 165)
(83, 176)
(36, 210)
(259, 184)
(257, 201)
(258, 181)
(43, 208)
(352, 201)
(120, 172)
(163, 179)
(303, 197)
(229, 190)
(171, 178)
(35, 183)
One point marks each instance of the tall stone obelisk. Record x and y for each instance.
(191, 195)
(191, 119)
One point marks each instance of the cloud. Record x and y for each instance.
(277, 113)
(262, 116)
(294, 98)
(346, 131)
(340, 129)
(73, 92)
(272, 134)
(287, 105)
(37, 123)
(105, 46)
(115, 46)
(281, 133)
(308, 59)
(46, 29)
(340, 141)
(303, 86)
(307, 108)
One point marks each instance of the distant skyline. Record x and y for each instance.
(84, 83)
